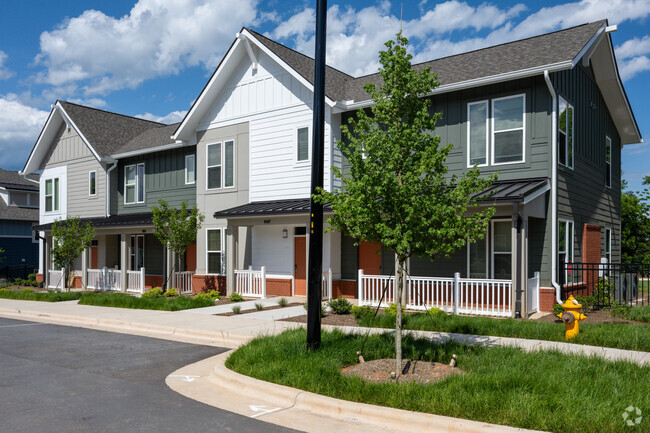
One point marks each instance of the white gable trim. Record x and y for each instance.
(47, 135)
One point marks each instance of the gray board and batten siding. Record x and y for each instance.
(70, 150)
(164, 179)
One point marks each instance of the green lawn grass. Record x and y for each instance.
(541, 390)
(30, 295)
(641, 314)
(616, 335)
(121, 300)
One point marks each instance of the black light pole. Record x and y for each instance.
(315, 266)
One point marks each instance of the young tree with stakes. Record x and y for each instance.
(397, 192)
(70, 237)
(176, 228)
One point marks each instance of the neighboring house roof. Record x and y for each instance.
(135, 219)
(13, 180)
(17, 213)
(149, 140)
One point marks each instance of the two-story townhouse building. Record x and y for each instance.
(109, 169)
(548, 114)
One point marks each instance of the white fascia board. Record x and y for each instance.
(27, 169)
(591, 45)
(206, 91)
(282, 63)
(537, 193)
(483, 81)
(149, 150)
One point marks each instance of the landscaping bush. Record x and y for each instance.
(363, 315)
(259, 306)
(435, 310)
(171, 292)
(235, 297)
(236, 309)
(392, 309)
(29, 281)
(282, 302)
(156, 292)
(557, 309)
(214, 295)
(204, 297)
(340, 305)
(121, 300)
(30, 295)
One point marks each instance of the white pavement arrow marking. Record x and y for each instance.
(185, 378)
(262, 410)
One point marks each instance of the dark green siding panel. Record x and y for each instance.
(349, 258)
(153, 255)
(164, 179)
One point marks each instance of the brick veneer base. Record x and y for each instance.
(546, 298)
(344, 288)
(203, 283)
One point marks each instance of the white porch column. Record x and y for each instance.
(232, 256)
(48, 260)
(124, 260)
(84, 268)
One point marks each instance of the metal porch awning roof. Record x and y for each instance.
(113, 221)
(505, 191)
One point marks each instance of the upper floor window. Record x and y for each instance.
(190, 169)
(134, 183)
(608, 245)
(565, 134)
(52, 195)
(508, 129)
(608, 162)
(565, 247)
(221, 165)
(92, 180)
(477, 133)
(302, 144)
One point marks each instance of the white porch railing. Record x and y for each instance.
(55, 280)
(327, 284)
(458, 295)
(183, 281)
(135, 281)
(104, 279)
(251, 283)
(533, 293)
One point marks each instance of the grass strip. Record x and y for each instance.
(640, 314)
(540, 390)
(30, 295)
(615, 335)
(120, 300)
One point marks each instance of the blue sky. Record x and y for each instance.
(151, 58)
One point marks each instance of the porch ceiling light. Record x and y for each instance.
(285, 233)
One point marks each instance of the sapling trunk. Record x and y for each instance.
(398, 318)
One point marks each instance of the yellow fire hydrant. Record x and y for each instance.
(571, 316)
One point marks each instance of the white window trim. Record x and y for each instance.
(523, 129)
(54, 210)
(566, 144)
(90, 173)
(608, 237)
(222, 145)
(193, 156)
(207, 251)
(295, 145)
(487, 133)
(487, 262)
(132, 252)
(608, 140)
(492, 252)
(137, 185)
(572, 253)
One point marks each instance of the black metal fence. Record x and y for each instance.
(606, 283)
(18, 271)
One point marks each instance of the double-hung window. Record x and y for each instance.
(477, 133)
(477, 259)
(92, 183)
(134, 183)
(508, 125)
(565, 134)
(214, 250)
(137, 252)
(565, 248)
(502, 250)
(52, 195)
(302, 144)
(190, 169)
(221, 165)
(608, 245)
(608, 162)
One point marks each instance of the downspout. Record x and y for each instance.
(558, 293)
(108, 184)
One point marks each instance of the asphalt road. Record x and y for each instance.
(58, 379)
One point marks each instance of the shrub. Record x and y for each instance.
(340, 305)
(171, 292)
(620, 310)
(236, 297)
(392, 309)
(236, 309)
(204, 297)
(156, 292)
(557, 309)
(362, 314)
(435, 311)
(213, 294)
(283, 302)
(259, 306)
(586, 301)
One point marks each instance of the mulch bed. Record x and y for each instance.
(379, 371)
(329, 319)
(595, 316)
(255, 310)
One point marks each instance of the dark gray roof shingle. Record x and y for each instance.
(151, 138)
(12, 180)
(17, 213)
(136, 219)
(105, 131)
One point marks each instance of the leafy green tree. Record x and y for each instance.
(635, 225)
(70, 237)
(397, 192)
(176, 228)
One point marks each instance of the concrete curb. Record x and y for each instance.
(380, 417)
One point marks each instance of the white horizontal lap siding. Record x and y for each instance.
(270, 249)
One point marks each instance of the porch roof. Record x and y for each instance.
(136, 219)
(505, 191)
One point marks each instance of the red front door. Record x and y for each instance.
(300, 265)
(94, 254)
(370, 258)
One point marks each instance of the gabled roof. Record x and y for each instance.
(17, 213)
(13, 180)
(149, 140)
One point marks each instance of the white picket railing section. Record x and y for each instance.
(55, 280)
(183, 281)
(533, 293)
(457, 295)
(104, 279)
(327, 284)
(95, 279)
(251, 283)
(135, 281)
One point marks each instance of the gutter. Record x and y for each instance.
(109, 160)
(24, 176)
(554, 282)
(177, 144)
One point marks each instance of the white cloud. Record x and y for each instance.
(633, 47)
(628, 68)
(20, 125)
(156, 38)
(173, 117)
(4, 72)
(90, 102)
